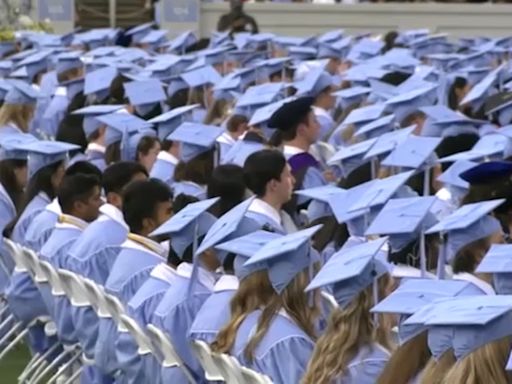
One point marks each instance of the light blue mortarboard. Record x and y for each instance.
(195, 139)
(286, 256)
(299, 54)
(476, 321)
(491, 146)
(388, 142)
(120, 125)
(451, 176)
(229, 226)
(503, 110)
(467, 224)
(240, 151)
(155, 38)
(377, 127)
(90, 123)
(21, 93)
(43, 153)
(144, 94)
(167, 122)
(98, 82)
(5, 67)
(364, 114)
(12, 147)
(201, 77)
(351, 157)
(67, 61)
(414, 294)
(315, 82)
(498, 261)
(5, 86)
(352, 95)
(182, 41)
(186, 226)
(263, 114)
(414, 152)
(260, 95)
(138, 32)
(406, 103)
(331, 36)
(320, 196)
(245, 247)
(480, 91)
(22, 74)
(351, 270)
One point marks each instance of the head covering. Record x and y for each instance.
(167, 122)
(144, 94)
(195, 139)
(21, 93)
(498, 262)
(43, 153)
(90, 123)
(290, 114)
(13, 147)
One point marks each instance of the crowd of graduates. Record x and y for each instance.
(330, 209)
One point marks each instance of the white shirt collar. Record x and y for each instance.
(166, 156)
(262, 207)
(165, 273)
(205, 277)
(110, 212)
(54, 207)
(289, 151)
(95, 147)
(226, 138)
(61, 91)
(185, 270)
(226, 283)
(483, 285)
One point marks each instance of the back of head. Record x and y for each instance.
(84, 168)
(261, 167)
(117, 176)
(76, 188)
(227, 182)
(140, 201)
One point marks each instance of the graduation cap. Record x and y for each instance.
(167, 122)
(488, 147)
(480, 91)
(90, 123)
(498, 261)
(155, 38)
(144, 94)
(500, 104)
(240, 151)
(13, 147)
(467, 224)
(21, 93)
(351, 96)
(286, 257)
(388, 142)
(5, 86)
(486, 172)
(351, 157)
(137, 33)
(181, 42)
(67, 61)
(99, 81)
(201, 77)
(121, 124)
(260, 94)
(320, 196)
(244, 248)
(315, 82)
(414, 294)
(351, 270)
(414, 152)
(452, 176)
(404, 104)
(195, 139)
(377, 127)
(290, 114)
(263, 114)
(364, 114)
(186, 226)
(229, 226)
(43, 152)
(299, 53)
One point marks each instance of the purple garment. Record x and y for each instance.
(302, 161)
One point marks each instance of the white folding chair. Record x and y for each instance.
(143, 342)
(203, 353)
(229, 367)
(165, 348)
(252, 377)
(74, 288)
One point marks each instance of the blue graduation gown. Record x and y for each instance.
(40, 229)
(36, 205)
(225, 142)
(7, 214)
(10, 129)
(141, 307)
(92, 256)
(215, 312)
(95, 155)
(54, 114)
(175, 315)
(131, 269)
(283, 353)
(325, 121)
(189, 188)
(164, 167)
(366, 367)
(199, 114)
(54, 250)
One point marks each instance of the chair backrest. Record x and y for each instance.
(53, 278)
(17, 255)
(115, 308)
(143, 342)
(228, 367)
(203, 353)
(96, 294)
(74, 288)
(252, 377)
(170, 357)
(33, 266)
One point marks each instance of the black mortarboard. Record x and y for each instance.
(291, 114)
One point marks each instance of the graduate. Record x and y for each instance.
(18, 108)
(146, 205)
(227, 183)
(275, 331)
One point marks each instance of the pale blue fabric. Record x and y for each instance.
(36, 205)
(191, 189)
(163, 170)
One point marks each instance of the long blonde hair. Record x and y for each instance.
(18, 114)
(256, 292)
(435, 370)
(347, 331)
(485, 365)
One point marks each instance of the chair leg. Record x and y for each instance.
(62, 370)
(48, 369)
(16, 340)
(8, 335)
(40, 362)
(75, 375)
(33, 362)
(4, 309)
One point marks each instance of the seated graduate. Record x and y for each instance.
(269, 177)
(355, 347)
(146, 205)
(273, 323)
(18, 108)
(227, 183)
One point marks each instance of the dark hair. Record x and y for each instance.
(85, 168)
(70, 131)
(389, 41)
(75, 188)
(9, 181)
(395, 78)
(410, 254)
(117, 94)
(154, 112)
(41, 181)
(178, 99)
(166, 145)
(409, 119)
(145, 145)
(290, 133)
(68, 75)
(140, 199)
(227, 182)
(261, 167)
(117, 176)
(198, 170)
(113, 153)
(455, 144)
(469, 256)
(458, 83)
(234, 122)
